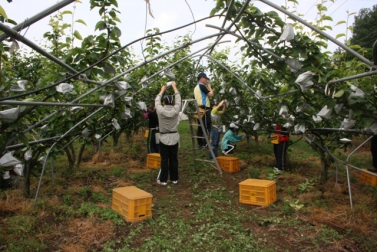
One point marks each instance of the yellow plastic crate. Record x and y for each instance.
(132, 203)
(229, 164)
(154, 160)
(257, 192)
(367, 178)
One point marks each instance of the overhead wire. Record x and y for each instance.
(193, 18)
(311, 7)
(338, 7)
(145, 28)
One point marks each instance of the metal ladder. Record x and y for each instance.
(193, 122)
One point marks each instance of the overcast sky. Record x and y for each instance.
(168, 14)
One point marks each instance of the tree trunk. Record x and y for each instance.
(26, 188)
(73, 153)
(116, 135)
(256, 138)
(82, 148)
(325, 164)
(70, 160)
(129, 138)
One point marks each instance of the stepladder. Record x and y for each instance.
(202, 152)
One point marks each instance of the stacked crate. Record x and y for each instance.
(132, 203)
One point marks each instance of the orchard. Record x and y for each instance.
(71, 130)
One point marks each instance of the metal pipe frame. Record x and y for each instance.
(108, 56)
(248, 41)
(249, 88)
(224, 22)
(15, 146)
(354, 53)
(171, 65)
(229, 27)
(364, 132)
(38, 17)
(111, 80)
(38, 49)
(35, 47)
(98, 110)
(348, 176)
(348, 78)
(346, 164)
(50, 104)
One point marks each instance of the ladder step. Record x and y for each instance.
(201, 137)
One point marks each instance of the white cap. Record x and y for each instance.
(232, 125)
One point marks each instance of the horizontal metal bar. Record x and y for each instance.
(353, 77)
(38, 17)
(50, 104)
(297, 18)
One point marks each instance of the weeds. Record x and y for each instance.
(201, 213)
(328, 235)
(306, 186)
(253, 172)
(89, 209)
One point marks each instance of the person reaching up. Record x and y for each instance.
(216, 125)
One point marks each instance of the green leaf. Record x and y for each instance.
(66, 12)
(324, 17)
(81, 21)
(101, 25)
(117, 31)
(2, 13)
(77, 35)
(340, 22)
(340, 93)
(114, 2)
(355, 46)
(340, 35)
(11, 21)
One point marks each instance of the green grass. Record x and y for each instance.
(202, 212)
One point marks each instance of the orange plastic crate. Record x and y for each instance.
(367, 178)
(132, 203)
(257, 192)
(229, 164)
(154, 160)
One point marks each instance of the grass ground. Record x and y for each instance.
(202, 212)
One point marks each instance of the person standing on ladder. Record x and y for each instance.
(169, 136)
(202, 92)
(216, 126)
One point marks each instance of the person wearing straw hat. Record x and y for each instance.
(168, 114)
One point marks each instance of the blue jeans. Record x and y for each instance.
(215, 136)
